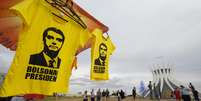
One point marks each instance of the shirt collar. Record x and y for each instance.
(101, 61)
(47, 59)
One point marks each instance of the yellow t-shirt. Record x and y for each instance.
(100, 54)
(45, 52)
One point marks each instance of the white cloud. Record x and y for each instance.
(143, 30)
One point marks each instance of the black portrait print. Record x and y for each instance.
(53, 40)
(102, 55)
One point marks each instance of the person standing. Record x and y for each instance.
(122, 94)
(172, 94)
(98, 95)
(194, 91)
(92, 95)
(150, 90)
(107, 94)
(134, 93)
(177, 94)
(196, 95)
(185, 92)
(156, 93)
(118, 96)
(103, 95)
(85, 97)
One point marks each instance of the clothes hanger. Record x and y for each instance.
(67, 9)
(59, 17)
(105, 35)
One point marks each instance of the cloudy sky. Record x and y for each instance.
(145, 32)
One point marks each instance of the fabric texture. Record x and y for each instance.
(100, 56)
(43, 34)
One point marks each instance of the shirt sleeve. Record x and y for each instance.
(112, 46)
(97, 33)
(25, 11)
(84, 37)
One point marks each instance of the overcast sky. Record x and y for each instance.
(142, 31)
(145, 32)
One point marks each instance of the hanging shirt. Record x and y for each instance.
(100, 55)
(45, 52)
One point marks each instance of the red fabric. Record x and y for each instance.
(34, 96)
(177, 95)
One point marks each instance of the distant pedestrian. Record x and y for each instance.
(122, 94)
(196, 95)
(150, 90)
(85, 97)
(107, 94)
(98, 95)
(118, 96)
(185, 92)
(92, 95)
(172, 94)
(194, 91)
(103, 95)
(156, 93)
(134, 93)
(177, 94)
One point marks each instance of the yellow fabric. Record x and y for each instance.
(47, 58)
(84, 37)
(25, 76)
(100, 67)
(74, 64)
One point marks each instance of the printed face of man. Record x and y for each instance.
(53, 41)
(103, 52)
